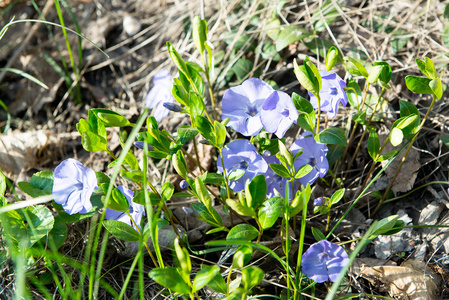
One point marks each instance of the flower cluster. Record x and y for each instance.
(324, 260)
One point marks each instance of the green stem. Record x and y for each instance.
(317, 130)
(434, 98)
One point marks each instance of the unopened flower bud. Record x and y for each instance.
(139, 144)
(172, 106)
(183, 184)
(318, 201)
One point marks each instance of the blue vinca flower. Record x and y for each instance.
(242, 155)
(135, 210)
(160, 94)
(314, 154)
(275, 181)
(324, 260)
(242, 105)
(332, 93)
(73, 186)
(278, 113)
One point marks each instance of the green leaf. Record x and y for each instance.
(258, 191)
(186, 133)
(203, 194)
(430, 68)
(273, 28)
(354, 97)
(374, 74)
(290, 34)
(177, 59)
(385, 74)
(332, 135)
(337, 196)
(303, 171)
(317, 234)
(220, 134)
(251, 277)
(359, 68)
(196, 105)
(240, 208)
(307, 117)
(170, 278)
(214, 178)
(57, 235)
(117, 201)
(242, 68)
(204, 276)
(331, 58)
(298, 202)
(385, 226)
(41, 184)
(386, 156)
(396, 136)
(93, 142)
(135, 176)
(445, 37)
(280, 170)
(445, 139)
(121, 230)
(111, 118)
(179, 93)
(218, 284)
(320, 46)
(360, 117)
(283, 151)
(399, 40)
(306, 78)
(242, 232)
(205, 128)
(242, 257)
(419, 85)
(446, 11)
(437, 87)
(179, 163)
(167, 191)
(199, 33)
(406, 124)
(270, 211)
(326, 14)
(236, 174)
(210, 216)
(373, 144)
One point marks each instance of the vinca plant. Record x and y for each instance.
(270, 149)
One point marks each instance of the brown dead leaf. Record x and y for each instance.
(411, 280)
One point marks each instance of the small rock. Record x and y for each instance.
(131, 25)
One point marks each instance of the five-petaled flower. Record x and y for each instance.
(278, 113)
(135, 210)
(324, 260)
(241, 155)
(160, 94)
(73, 186)
(314, 154)
(331, 94)
(243, 103)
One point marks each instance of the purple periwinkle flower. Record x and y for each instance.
(135, 210)
(243, 103)
(241, 154)
(160, 94)
(314, 154)
(278, 113)
(73, 185)
(324, 260)
(319, 201)
(331, 94)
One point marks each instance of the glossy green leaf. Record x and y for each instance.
(290, 34)
(204, 276)
(121, 230)
(374, 74)
(242, 257)
(419, 85)
(210, 216)
(179, 163)
(203, 194)
(280, 170)
(385, 225)
(199, 33)
(170, 278)
(220, 134)
(251, 277)
(242, 68)
(337, 196)
(396, 136)
(317, 234)
(41, 184)
(269, 212)
(307, 117)
(326, 14)
(331, 58)
(354, 93)
(218, 284)
(242, 232)
(196, 105)
(332, 135)
(385, 74)
(437, 87)
(240, 208)
(359, 68)
(360, 117)
(205, 128)
(387, 155)
(258, 191)
(430, 68)
(111, 118)
(373, 144)
(57, 235)
(177, 59)
(186, 133)
(167, 191)
(306, 78)
(236, 174)
(303, 171)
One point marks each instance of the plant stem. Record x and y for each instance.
(434, 98)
